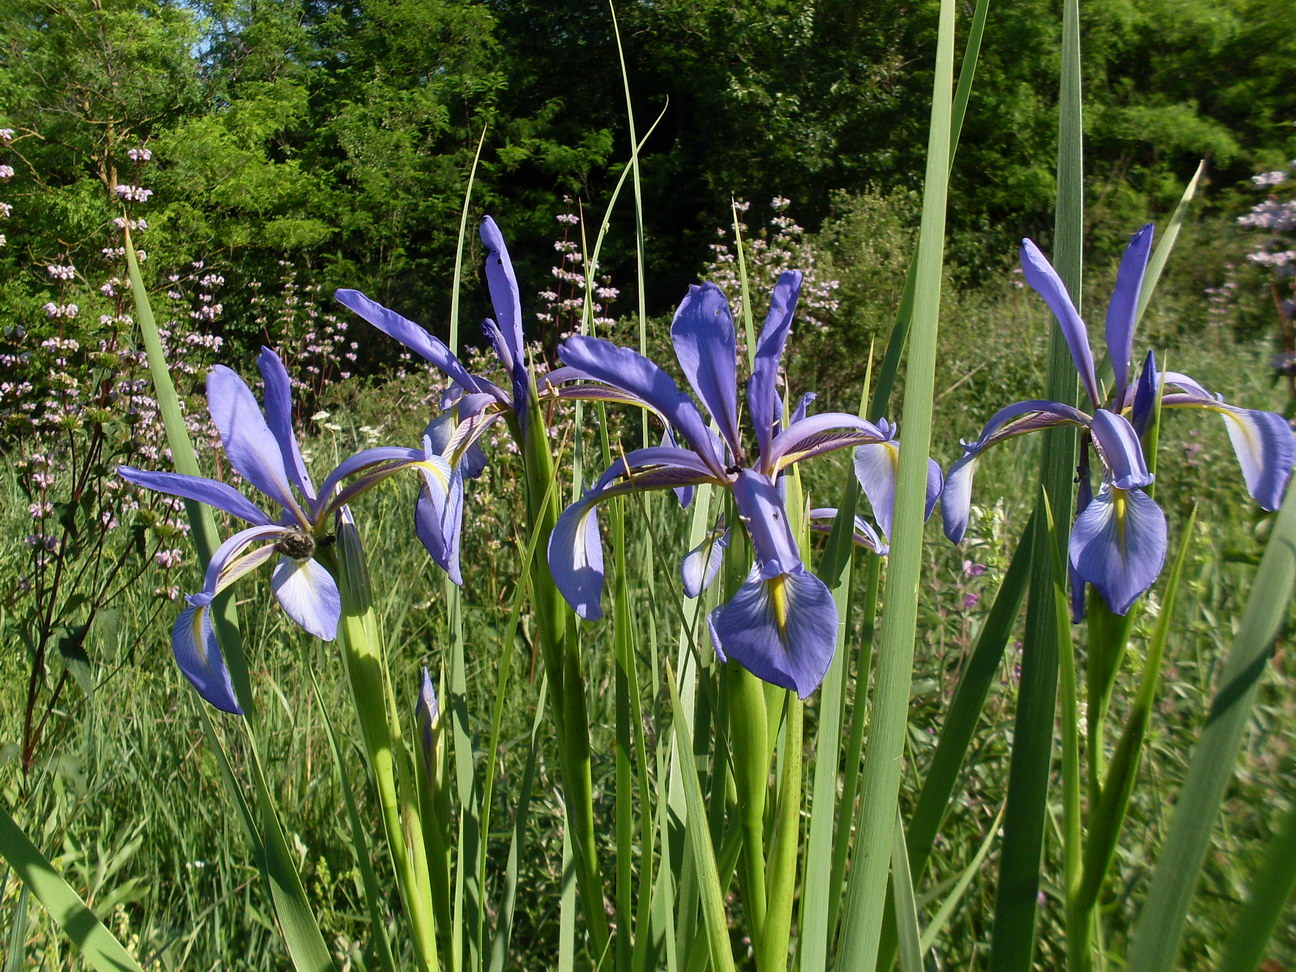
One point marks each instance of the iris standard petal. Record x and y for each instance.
(1143, 397)
(1118, 544)
(249, 444)
(415, 338)
(1120, 450)
(199, 488)
(505, 299)
(1045, 281)
(365, 461)
(705, 343)
(701, 564)
(1124, 304)
(636, 375)
(309, 595)
(782, 629)
(762, 394)
(278, 408)
(198, 655)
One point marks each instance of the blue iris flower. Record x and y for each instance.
(781, 624)
(1118, 541)
(263, 450)
(474, 404)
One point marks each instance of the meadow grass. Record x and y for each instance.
(126, 799)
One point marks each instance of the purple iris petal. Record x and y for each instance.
(1011, 420)
(1045, 281)
(818, 434)
(1143, 397)
(229, 562)
(633, 373)
(705, 343)
(1118, 544)
(365, 461)
(762, 395)
(821, 521)
(701, 564)
(803, 407)
(1124, 304)
(278, 409)
(761, 506)
(1120, 450)
(782, 629)
(1265, 451)
(249, 444)
(209, 491)
(198, 655)
(876, 467)
(438, 516)
(309, 595)
(505, 299)
(575, 548)
(415, 338)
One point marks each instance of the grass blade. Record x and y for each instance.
(881, 780)
(1268, 897)
(98, 947)
(1160, 925)
(902, 894)
(1013, 935)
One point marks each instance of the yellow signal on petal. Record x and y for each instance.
(778, 598)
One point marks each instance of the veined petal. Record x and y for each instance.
(877, 466)
(416, 339)
(1120, 450)
(249, 444)
(364, 461)
(575, 549)
(956, 496)
(1045, 281)
(705, 343)
(198, 655)
(228, 563)
(821, 521)
(1118, 544)
(278, 409)
(309, 595)
(782, 629)
(1265, 450)
(1028, 416)
(1262, 441)
(762, 396)
(816, 435)
(637, 376)
(701, 564)
(1124, 303)
(209, 491)
(438, 522)
(576, 557)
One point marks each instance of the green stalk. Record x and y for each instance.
(748, 735)
(560, 650)
(781, 886)
(885, 747)
(371, 695)
(1016, 900)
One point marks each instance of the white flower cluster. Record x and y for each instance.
(133, 193)
(60, 272)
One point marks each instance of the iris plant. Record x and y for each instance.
(263, 450)
(781, 624)
(474, 404)
(1118, 541)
